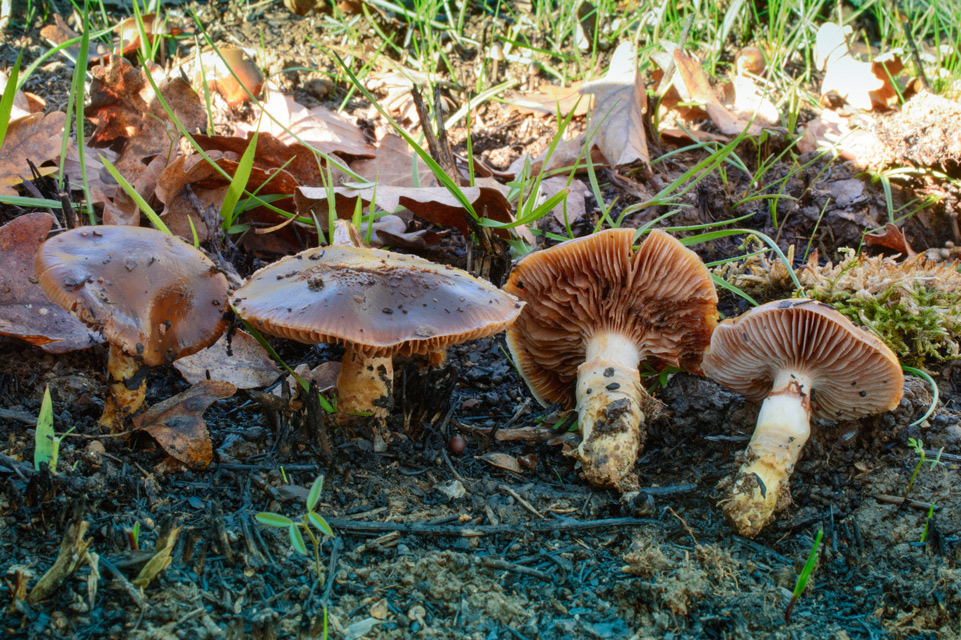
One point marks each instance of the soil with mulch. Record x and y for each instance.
(433, 543)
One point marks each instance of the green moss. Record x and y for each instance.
(914, 305)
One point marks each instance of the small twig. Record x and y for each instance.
(127, 586)
(497, 563)
(524, 503)
(331, 572)
(418, 528)
(898, 500)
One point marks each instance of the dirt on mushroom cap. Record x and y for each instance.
(852, 372)
(382, 302)
(150, 293)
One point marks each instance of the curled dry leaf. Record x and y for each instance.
(177, 423)
(572, 208)
(271, 154)
(214, 69)
(25, 310)
(891, 238)
(862, 85)
(325, 130)
(434, 204)
(35, 137)
(393, 165)
(502, 461)
(127, 112)
(620, 106)
(247, 365)
(59, 32)
(553, 100)
(566, 155)
(696, 87)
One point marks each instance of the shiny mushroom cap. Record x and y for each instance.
(151, 294)
(659, 295)
(851, 372)
(381, 302)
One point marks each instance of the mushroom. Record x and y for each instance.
(154, 297)
(802, 358)
(596, 308)
(378, 304)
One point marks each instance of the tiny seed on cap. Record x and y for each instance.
(863, 394)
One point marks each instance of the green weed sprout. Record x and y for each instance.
(311, 520)
(927, 521)
(46, 442)
(802, 580)
(918, 447)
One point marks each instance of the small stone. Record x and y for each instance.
(454, 490)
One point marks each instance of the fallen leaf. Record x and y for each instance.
(393, 165)
(325, 130)
(25, 311)
(21, 106)
(128, 114)
(551, 99)
(271, 154)
(617, 116)
(59, 32)
(749, 101)
(214, 70)
(246, 366)
(434, 204)
(103, 188)
(35, 137)
(697, 88)
(565, 155)
(177, 423)
(891, 238)
(502, 461)
(862, 85)
(572, 208)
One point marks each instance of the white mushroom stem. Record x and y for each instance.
(365, 383)
(609, 395)
(122, 400)
(783, 426)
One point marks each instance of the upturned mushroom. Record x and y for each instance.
(154, 297)
(803, 359)
(596, 308)
(378, 304)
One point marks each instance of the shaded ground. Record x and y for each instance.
(435, 544)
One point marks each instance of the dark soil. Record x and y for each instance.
(433, 543)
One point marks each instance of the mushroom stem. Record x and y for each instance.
(609, 396)
(760, 487)
(365, 383)
(126, 393)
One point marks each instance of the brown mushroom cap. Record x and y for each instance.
(382, 302)
(852, 373)
(150, 293)
(660, 295)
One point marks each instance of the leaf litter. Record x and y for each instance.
(666, 580)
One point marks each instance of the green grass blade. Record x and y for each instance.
(228, 209)
(136, 197)
(6, 102)
(935, 393)
(45, 438)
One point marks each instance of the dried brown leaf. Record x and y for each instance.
(699, 89)
(25, 311)
(393, 165)
(37, 138)
(177, 423)
(620, 105)
(551, 99)
(325, 130)
(246, 366)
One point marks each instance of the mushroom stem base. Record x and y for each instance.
(126, 393)
(760, 488)
(610, 414)
(365, 384)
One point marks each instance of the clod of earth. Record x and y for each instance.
(154, 298)
(377, 304)
(802, 358)
(596, 308)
